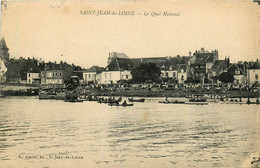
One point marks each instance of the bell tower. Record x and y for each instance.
(4, 54)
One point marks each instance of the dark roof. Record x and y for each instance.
(96, 69)
(219, 64)
(120, 64)
(233, 67)
(34, 71)
(202, 58)
(182, 66)
(79, 74)
(51, 66)
(165, 62)
(254, 65)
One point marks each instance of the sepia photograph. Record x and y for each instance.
(129, 84)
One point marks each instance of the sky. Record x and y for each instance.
(50, 29)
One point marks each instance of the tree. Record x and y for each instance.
(226, 77)
(189, 80)
(145, 72)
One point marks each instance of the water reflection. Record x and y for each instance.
(145, 135)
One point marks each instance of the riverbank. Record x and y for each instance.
(14, 89)
(32, 90)
(212, 93)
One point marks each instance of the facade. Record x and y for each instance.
(99, 77)
(253, 76)
(33, 77)
(182, 73)
(52, 75)
(201, 63)
(253, 73)
(239, 73)
(219, 67)
(89, 75)
(118, 69)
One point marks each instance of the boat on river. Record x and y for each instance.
(48, 94)
(122, 104)
(136, 100)
(73, 100)
(197, 103)
(197, 100)
(172, 102)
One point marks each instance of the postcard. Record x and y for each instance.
(129, 84)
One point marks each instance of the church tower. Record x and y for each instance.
(4, 54)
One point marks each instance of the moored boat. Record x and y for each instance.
(124, 105)
(73, 100)
(172, 102)
(136, 100)
(197, 103)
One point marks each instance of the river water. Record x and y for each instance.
(52, 133)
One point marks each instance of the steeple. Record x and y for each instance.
(4, 54)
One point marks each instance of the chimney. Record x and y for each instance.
(190, 54)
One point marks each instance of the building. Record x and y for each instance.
(4, 53)
(201, 62)
(169, 65)
(253, 73)
(89, 75)
(79, 74)
(114, 55)
(219, 67)
(52, 74)
(118, 69)
(170, 71)
(3, 70)
(239, 73)
(34, 76)
(182, 73)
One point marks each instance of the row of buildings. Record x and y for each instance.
(202, 66)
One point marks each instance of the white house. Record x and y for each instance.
(118, 69)
(89, 75)
(182, 73)
(34, 76)
(169, 72)
(253, 76)
(52, 74)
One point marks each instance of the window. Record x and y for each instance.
(56, 74)
(162, 74)
(167, 74)
(126, 76)
(89, 75)
(237, 72)
(52, 74)
(256, 77)
(110, 75)
(29, 75)
(60, 74)
(174, 74)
